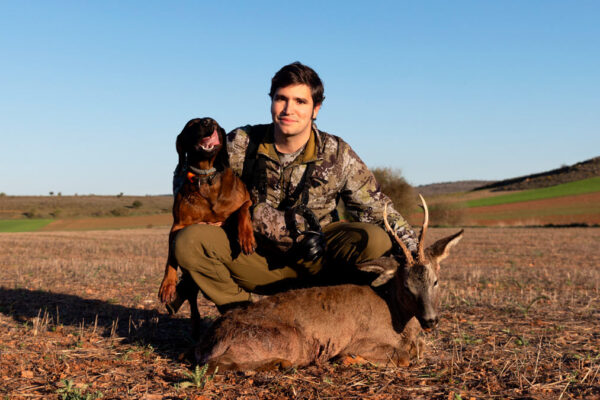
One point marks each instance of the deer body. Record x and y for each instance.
(305, 326)
(380, 323)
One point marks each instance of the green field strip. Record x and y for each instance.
(584, 186)
(534, 214)
(23, 225)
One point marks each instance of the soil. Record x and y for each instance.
(80, 319)
(139, 221)
(580, 209)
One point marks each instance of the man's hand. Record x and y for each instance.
(311, 246)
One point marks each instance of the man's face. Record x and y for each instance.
(292, 110)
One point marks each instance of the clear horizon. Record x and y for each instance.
(94, 93)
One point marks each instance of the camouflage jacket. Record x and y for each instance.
(338, 173)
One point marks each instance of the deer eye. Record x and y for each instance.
(435, 283)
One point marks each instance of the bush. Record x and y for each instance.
(136, 204)
(32, 213)
(396, 188)
(448, 214)
(56, 213)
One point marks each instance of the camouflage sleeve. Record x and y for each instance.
(364, 200)
(269, 224)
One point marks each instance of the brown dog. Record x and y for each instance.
(210, 194)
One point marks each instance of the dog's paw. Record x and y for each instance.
(247, 243)
(167, 291)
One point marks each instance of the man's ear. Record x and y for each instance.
(316, 111)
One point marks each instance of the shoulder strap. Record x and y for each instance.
(254, 168)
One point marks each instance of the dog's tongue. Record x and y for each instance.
(212, 140)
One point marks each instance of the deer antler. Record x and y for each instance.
(421, 248)
(409, 259)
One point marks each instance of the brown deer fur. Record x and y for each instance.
(305, 326)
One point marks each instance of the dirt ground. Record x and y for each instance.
(79, 319)
(137, 221)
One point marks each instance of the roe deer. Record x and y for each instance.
(296, 328)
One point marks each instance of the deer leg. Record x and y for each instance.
(383, 354)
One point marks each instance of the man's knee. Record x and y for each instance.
(378, 242)
(199, 241)
(356, 242)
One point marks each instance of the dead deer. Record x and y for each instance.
(379, 323)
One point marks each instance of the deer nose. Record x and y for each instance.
(428, 323)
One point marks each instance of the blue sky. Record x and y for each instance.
(93, 93)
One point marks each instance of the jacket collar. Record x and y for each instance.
(312, 152)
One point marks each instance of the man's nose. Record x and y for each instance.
(287, 107)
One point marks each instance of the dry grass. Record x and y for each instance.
(60, 207)
(79, 315)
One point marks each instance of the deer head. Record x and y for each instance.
(414, 282)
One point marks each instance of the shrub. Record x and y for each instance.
(136, 204)
(56, 213)
(448, 214)
(32, 213)
(397, 189)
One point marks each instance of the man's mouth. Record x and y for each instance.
(209, 143)
(286, 120)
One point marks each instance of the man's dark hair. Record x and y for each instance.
(297, 73)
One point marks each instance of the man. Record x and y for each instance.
(296, 175)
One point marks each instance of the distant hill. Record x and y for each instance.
(435, 189)
(581, 170)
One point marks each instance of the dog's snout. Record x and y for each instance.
(208, 122)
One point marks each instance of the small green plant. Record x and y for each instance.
(525, 309)
(198, 378)
(468, 339)
(70, 392)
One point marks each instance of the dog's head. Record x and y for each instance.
(202, 139)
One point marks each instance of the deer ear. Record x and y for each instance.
(386, 267)
(441, 249)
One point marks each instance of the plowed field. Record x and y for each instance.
(79, 319)
(582, 209)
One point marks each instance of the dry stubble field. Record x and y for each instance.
(79, 319)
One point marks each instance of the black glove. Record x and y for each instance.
(309, 244)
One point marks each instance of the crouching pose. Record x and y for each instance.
(296, 174)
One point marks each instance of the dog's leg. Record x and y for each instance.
(245, 231)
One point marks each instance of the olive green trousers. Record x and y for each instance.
(206, 254)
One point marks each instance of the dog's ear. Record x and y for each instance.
(222, 159)
(180, 144)
(180, 151)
